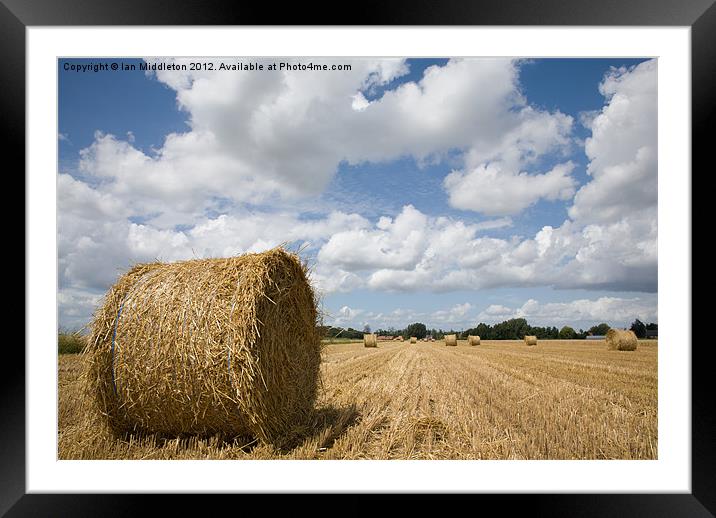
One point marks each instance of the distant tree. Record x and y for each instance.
(600, 329)
(332, 332)
(652, 327)
(513, 329)
(366, 329)
(417, 330)
(484, 331)
(639, 328)
(352, 333)
(567, 333)
(548, 333)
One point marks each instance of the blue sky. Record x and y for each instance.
(478, 157)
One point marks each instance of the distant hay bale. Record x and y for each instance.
(620, 340)
(370, 340)
(413, 340)
(400, 338)
(207, 346)
(451, 340)
(473, 340)
(531, 340)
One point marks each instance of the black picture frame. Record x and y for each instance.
(700, 15)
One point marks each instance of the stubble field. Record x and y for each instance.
(499, 400)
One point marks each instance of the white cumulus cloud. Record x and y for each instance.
(622, 149)
(585, 312)
(493, 190)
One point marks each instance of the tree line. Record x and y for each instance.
(512, 329)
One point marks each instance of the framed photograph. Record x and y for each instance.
(437, 250)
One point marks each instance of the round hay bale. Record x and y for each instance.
(621, 340)
(451, 340)
(370, 340)
(531, 340)
(400, 339)
(207, 346)
(473, 340)
(413, 340)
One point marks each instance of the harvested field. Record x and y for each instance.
(502, 400)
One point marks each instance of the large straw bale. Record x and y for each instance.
(370, 340)
(207, 346)
(531, 340)
(451, 340)
(473, 340)
(621, 340)
(413, 340)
